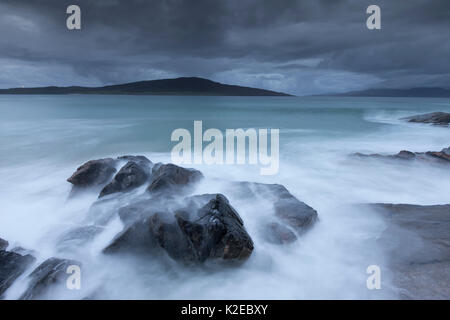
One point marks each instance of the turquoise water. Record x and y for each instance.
(44, 138)
(75, 127)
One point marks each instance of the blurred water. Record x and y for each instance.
(44, 138)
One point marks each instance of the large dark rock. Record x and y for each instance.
(170, 177)
(191, 234)
(417, 246)
(438, 118)
(132, 175)
(93, 173)
(50, 273)
(12, 265)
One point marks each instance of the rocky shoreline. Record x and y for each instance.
(436, 118)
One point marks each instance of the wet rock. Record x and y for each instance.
(192, 234)
(295, 213)
(291, 212)
(438, 118)
(50, 273)
(170, 177)
(12, 266)
(444, 154)
(77, 237)
(3, 244)
(430, 156)
(132, 175)
(277, 233)
(402, 155)
(140, 160)
(219, 233)
(93, 172)
(417, 246)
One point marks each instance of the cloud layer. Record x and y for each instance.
(296, 46)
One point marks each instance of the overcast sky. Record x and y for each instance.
(295, 46)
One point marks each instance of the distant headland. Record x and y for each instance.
(178, 86)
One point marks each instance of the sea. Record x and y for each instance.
(44, 138)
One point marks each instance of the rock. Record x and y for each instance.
(133, 175)
(192, 234)
(446, 151)
(52, 272)
(93, 172)
(3, 244)
(290, 211)
(140, 160)
(439, 156)
(169, 177)
(417, 245)
(438, 118)
(402, 155)
(77, 237)
(12, 266)
(442, 155)
(279, 234)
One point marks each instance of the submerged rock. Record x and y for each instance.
(170, 177)
(438, 118)
(50, 273)
(132, 175)
(78, 236)
(437, 156)
(192, 234)
(93, 172)
(279, 234)
(12, 266)
(289, 211)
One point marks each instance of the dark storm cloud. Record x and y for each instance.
(302, 47)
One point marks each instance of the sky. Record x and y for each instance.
(300, 47)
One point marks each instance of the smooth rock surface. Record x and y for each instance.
(417, 243)
(170, 177)
(93, 172)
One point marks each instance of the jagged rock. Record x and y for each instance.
(3, 244)
(133, 175)
(49, 273)
(438, 118)
(192, 234)
(169, 177)
(12, 265)
(93, 172)
(277, 233)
